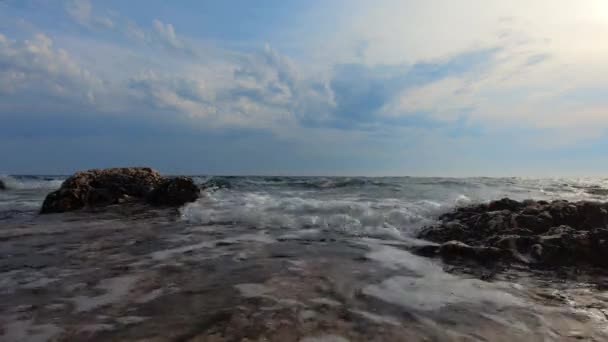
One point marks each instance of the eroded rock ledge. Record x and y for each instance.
(558, 233)
(102, 187)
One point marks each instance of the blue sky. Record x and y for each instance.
(438, 88)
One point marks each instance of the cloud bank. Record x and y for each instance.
(358, 91)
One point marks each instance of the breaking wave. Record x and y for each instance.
(32, 182)
(395, 207)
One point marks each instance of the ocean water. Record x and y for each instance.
(279, 259)
(358, 206)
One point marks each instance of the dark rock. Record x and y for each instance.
(595, 214)
(426, 250)
(101, 187)
(174, 192)
(448, 231)
(512, 242)
(505, 204)
(554, 234)
(535, 223)
(457, 249)
(2, 185)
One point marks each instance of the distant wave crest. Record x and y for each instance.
(31, 182)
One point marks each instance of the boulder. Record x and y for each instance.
(100, 187)
(174, 192)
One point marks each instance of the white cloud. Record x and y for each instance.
(547, 50)
(166, 33)
(82, 12)
(34, 72)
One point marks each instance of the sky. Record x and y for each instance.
(305, 87)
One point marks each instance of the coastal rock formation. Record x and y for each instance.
(174, 192)
(535, 232)
(101, 187)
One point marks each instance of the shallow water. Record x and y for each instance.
(280, 259)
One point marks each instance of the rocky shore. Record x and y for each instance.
(136, 269)
(103, 187)
(537, 233)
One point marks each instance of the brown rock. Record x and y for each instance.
(101, 187)
(174, 192)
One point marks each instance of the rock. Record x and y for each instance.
(512, 242)
(446, 232)
(559, 233)
(536, 223)
(174, 192)
(505, 204)
(595, 214)
(457, 249)
(100, 187)
(2, 185)
(426, 250)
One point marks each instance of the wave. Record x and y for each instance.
(31, 182)
(312, 183)
(352, 216)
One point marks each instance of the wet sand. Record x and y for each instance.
(131, 273)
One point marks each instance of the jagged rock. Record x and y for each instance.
(174, 192)
(100, 187)
(512, 242)
(457, 249)
(505, 204)
(555, 233)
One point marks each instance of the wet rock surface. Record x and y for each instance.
(557, 233)
(102, 187)
(131, 273)
(174, 192)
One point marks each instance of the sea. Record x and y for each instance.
(262, 258)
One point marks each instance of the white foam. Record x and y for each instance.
(324, 338)
(261, 237)
(432, 292)
(168, 253)
(253, 290)
(378, 319)
(115, 289)
(26, 330)
(13, 183)
(325, 301)
(352, 216)
(429, 287)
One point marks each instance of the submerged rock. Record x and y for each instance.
(555, 233)
(101, 187)
(174, 192)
